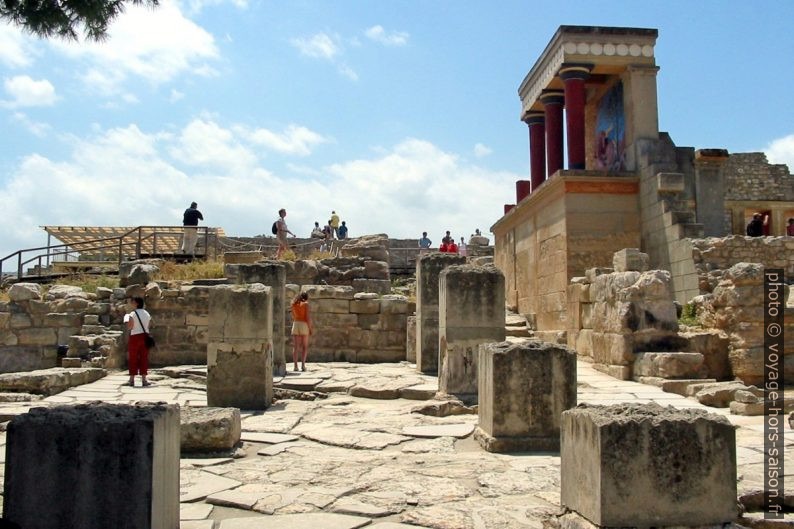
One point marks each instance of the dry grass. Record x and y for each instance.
(89, 283)
(170, 271)
(320, 254)
(4, 297)
(289, 255)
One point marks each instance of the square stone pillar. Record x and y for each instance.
(710, 191)
(272, 274)
(471, 312)
(643, 465)
(428, 268)
(523, 389)
(93, 466)
(239, 352)
(641, 109)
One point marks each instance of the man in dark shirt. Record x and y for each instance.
(190, 220)
(343, 231)
(755, 228)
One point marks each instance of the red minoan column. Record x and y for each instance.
(537, 147)
(522, 190)
(574, 76)
(553, 101)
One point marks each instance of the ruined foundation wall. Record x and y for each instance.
(750, 176)
(350, 326)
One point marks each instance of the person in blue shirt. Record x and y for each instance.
(342, 231)
(424, 242)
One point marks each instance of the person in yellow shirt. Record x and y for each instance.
(334, 222)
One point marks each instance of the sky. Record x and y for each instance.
(402, 116)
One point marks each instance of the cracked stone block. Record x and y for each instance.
(471, 312)
(643, 465)
(523, 390)
(93, 466)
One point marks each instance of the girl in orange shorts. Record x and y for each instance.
(302, 328)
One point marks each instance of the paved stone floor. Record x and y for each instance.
(346, 461)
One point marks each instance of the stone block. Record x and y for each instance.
(428, 269)
(336, 306)
(239, 352)
(37, 336)
(49, 381)
(24, 292)
(71, 362)
(523, 390)
(642, 465)
(471, 312)
(392, 322)
(376, 269)
(20, 320)
(5, 320)
(668, 365)
(611, 348)
(592, 273)
(63, 320)
(393, 304)
(81, 466)
(272, 274)
(630, 260)
(410, 339)
(377, 356)
(365, 306)
(209, 429)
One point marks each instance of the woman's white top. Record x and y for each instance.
(145, 318)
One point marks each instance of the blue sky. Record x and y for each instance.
(401, 116)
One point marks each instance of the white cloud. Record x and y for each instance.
(126, 176)
(348, 72)
(16, 48)
(36, 128)
(156, 45)
(295, 139)
(393, 38)
(319, 46)
(196, 6)
(481, 150)
(205, 143)
(27, 92)
(782, 151)
(176, 95)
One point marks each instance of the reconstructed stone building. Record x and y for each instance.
(592, 95)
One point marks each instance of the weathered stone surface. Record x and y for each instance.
(439, 430)
(24, 292)
(718, 395)
(117, 452)
(713, 345)
(198, 484)
(630, 260)
(419, 392)
(410, 339)
(524, 388)
(471, 312)
(66, 291)
(239, 353)
(49, 381)
(668, 365)
(443, 408)
(272, 274)
(644, 465)
(209, 429)
(297, 521)
(265, 437)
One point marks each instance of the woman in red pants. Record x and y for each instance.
(138, 322)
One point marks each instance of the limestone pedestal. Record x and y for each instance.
(642, 465)
(272, 274)
(523, 390)
(471, 312)
(93, 466)
(239, 352)
(428, 269)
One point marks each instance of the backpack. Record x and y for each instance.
(274, 229)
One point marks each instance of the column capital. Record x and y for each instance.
(533, 117)
(574, 70)
(552, 97)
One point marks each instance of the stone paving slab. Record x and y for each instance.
(442, 430)
(264, 437)
(196, 485)
(297, 521)
(197, 524)
(194, 511)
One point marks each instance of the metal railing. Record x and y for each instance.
(142, 240)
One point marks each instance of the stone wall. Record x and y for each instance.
(712, 257)
(352, 327)
(32, 325)
(750, 176)
(736, 307)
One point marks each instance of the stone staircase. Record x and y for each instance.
(678, 217)
(516, 327)
(100, 344)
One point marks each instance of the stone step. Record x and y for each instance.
(670, 182)
(669, 365)
(679, 217)
(521, 332)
